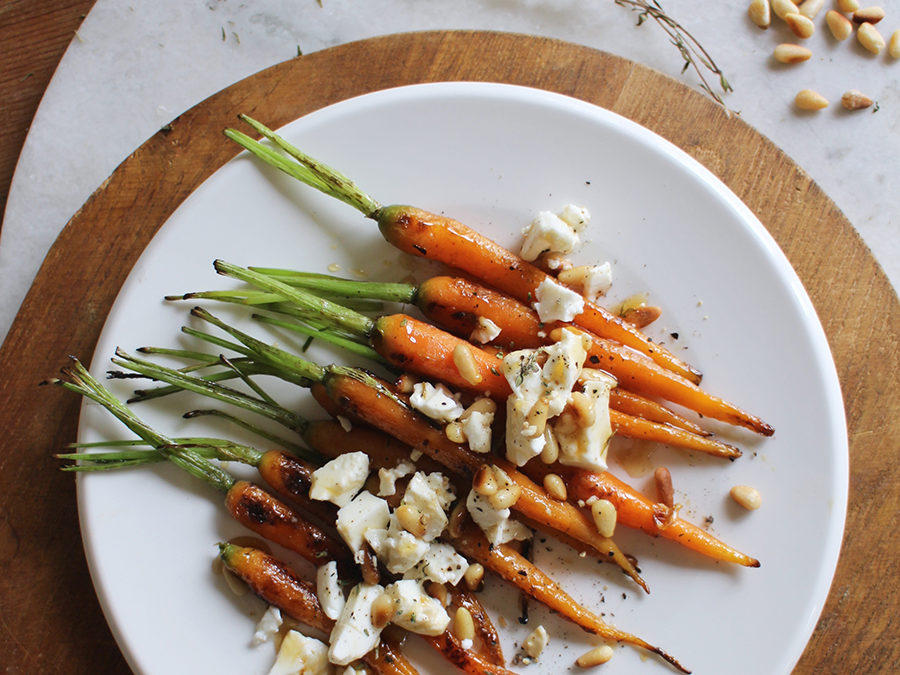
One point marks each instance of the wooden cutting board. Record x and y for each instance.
(50, 620)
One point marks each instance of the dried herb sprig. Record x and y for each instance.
(693, 53)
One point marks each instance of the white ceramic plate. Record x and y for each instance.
(493, 156)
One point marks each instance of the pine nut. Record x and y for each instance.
(502, 478)
(664, 491)
(855, 100)
(382, 610)
(894, 45)
(473, 576)
(790, 53)
(438, 592)
(868, 15)
(465, 364)
(807, 99)
(454, 432)
(484, 405)
(534, 644)
(604, 514)
(550, 451)
(463, 624)
(643, 316)
(848, 6)
(506, 497)
(759, 13)
(811, 8)
(410, 519)
(838, 24)
(596, 657)
(538, 415)
(555, 486)
(405, 384)
(484, 482)
(583, 407)
(801, 26)
(457, 518)
(784, 7)
(870, 38)
(746, 496)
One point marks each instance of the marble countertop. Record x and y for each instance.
(132, 67)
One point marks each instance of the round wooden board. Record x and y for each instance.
(53, 621)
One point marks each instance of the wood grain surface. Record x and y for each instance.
(50, 620)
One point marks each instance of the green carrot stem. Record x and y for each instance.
(348, 288)
(279, 359)
(330, 337)
(279, 440)
(335, 314)
(81, 381)
(243, 297)
(211, 389)
(246, 379)
(306, 169)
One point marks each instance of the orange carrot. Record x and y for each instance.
(637, 406)
(484, 627)
(523, 574)
(445, 240)
(635, 510)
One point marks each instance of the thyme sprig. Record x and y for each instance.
(694, 55)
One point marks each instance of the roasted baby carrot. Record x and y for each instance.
(274, 582)
(445, 240)
(523, 574)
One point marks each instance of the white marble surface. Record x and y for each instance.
(133, 66)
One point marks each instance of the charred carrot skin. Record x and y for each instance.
(274, 582)
(484, 627)
(528, 578)
(390, 415)
(445, 240)
(456, 305)
(274, 520)
(466, 660)
(635, 510)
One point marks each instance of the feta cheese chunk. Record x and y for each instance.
(555, 302)
(476, 427)
(301, 655)
(539, 392)
(548, 232)
(387, 478)
(364, 512)
(267, 627)
(430, 495)
(586, 446)
(398, 550)
(415, 610)
(329, 591)
(441, 564)
(496, 524)
(486, 331)
(340, 479)
(354, 635)
(576, 217)
(435, 401)
(592, 280)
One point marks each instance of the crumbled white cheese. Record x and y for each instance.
(353, 670)
(329, 591)
(364, 512)
(268, 626)
(539, 392)
(576, 217)
(486, 331)
(387, 478)
(555, 302)
(398, 550)
(547, 232)
(340, 479)
(430, 496)
(441, 564)
(435, 401)
(476, 427)
(593, 280)
(466, 644)
(586, 446)
(301, 654)
(496, 524)
(354, 635)
(415, 610)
